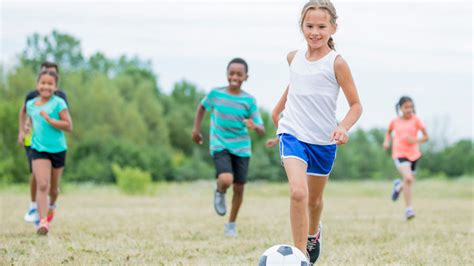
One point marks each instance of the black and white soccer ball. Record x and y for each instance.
(280, 255)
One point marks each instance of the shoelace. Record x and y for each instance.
(311, 244)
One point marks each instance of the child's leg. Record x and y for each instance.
(296, 172)
(42, 173)
(240, 166)
(237, 199)
(224, 181)
(406, 172)
(54, 189)
(316, 186)
(33, 188)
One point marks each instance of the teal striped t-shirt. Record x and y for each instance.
(228, 111)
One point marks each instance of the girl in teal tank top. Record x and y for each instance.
(50, 118)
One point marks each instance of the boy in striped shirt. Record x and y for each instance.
(233, 113)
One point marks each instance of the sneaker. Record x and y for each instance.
(397, 187)
(43, 228)
(219, 203)
(230, 229)
(51, 211)
(409, 213)
(32, 216)
(314, 245)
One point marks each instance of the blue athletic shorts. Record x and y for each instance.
(319, 158)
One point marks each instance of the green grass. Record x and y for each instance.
(178, 226)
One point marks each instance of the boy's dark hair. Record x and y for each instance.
(403, 100)
(49, 73)
(238, 60)
(47, 64)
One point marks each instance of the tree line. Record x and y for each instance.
(122, 116)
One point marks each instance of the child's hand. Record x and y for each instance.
(386, 145)
(197, 137)
(45, 115)
(340, 135)
(271, 142)
(250, 124)
(21, 137)
(411, 140)
(27, 128)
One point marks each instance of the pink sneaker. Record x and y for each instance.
(43, 227)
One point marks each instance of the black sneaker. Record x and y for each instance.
(313, 246)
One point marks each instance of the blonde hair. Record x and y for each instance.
(325, 5)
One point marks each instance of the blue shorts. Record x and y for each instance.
(319, 158)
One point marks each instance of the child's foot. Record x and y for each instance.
(314, 245)
(230, 229)
(51, 211)
(43, 227)
(219, 203)
(397, 187)
(31, 215)
(409, 213)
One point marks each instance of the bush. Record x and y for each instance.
(131, 180)
(190, 169)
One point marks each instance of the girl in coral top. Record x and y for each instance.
(403, 130)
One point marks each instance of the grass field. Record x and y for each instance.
(178, 226)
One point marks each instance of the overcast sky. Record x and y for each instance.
(417, 48)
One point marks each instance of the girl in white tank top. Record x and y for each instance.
(308, 130)
(310, 110)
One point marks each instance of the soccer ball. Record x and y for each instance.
(283, 255)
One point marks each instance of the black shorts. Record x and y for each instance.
(58, 159)
(226, 162)
(28, 155)
(405, 161)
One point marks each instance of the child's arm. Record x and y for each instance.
(425, 137)
(279, 107)
(344, 78)
(258, 128)
(388, 137)
(196, 134)
(21, 124)
(271, 142)
(64, 123)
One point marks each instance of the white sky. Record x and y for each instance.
(418, 48)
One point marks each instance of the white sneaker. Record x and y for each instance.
(219, 203)
(409, 213)
(32, 216)
(230, 229)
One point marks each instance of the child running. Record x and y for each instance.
(308, 130)
(233, 113)
(50, 118)
(405, 149)
(24, 138)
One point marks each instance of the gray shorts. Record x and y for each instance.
(405, 162)
(226, 162)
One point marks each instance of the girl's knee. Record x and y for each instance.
(298, 194)
(54, 192)
(408, 179)
(42, 187)
(316, 203)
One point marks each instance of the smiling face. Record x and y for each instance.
(236, 75)
(407, 109)
(317, 28)
(46, 85)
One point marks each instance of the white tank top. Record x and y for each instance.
(310, 109)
